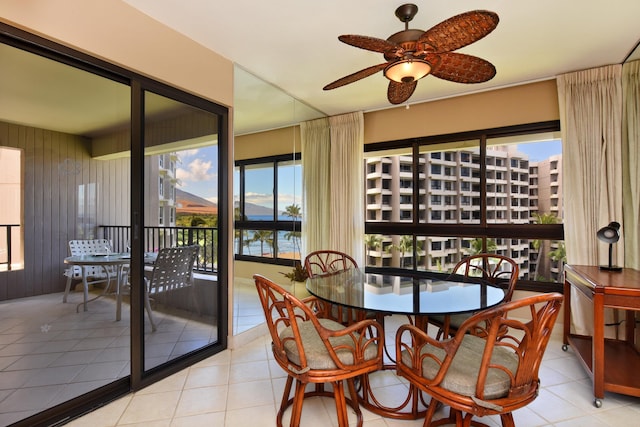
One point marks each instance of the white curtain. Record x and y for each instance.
(591, 121)
(347, 185)
(315, 147)
(332, 185)
(631, 162)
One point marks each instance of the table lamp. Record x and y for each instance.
(610, 234)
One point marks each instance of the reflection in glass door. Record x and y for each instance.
(180, 229)
(71, 130)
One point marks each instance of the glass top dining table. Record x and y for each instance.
(428, 294)
(419, 296)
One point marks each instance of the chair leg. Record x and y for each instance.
(147, 306)
(353, 395)
(285, 401)
(298, 399)
(67, 288)
(431, 410)
(507, 420)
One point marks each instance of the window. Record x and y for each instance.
(481, 205)
(11, 215)
(268, 209)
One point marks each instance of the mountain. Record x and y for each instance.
(252, 209)
(187, 203)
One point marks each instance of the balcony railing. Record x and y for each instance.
(156, 238)
(5, 244)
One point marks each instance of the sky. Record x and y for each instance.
(197, 172)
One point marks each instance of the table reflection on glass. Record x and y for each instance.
(419, 296)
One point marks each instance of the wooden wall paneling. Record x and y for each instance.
(58, 244)
(41, 192)
(4, 141)
(25, 288)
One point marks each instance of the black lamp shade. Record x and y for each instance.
(610, 233)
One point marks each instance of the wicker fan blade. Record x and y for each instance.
(369, 43)
(356, 76)
(460, 30)
(400, 92)
(462, 68)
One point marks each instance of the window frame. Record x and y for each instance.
(482, 229)
(275, 225)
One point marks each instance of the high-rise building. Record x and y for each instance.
(449, 193)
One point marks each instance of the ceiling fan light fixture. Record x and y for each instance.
(407, 70)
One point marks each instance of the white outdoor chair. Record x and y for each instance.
(95, 274)
(172, 271)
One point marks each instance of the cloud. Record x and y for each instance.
(197, 170)
(263, 199)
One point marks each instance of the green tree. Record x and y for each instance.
(372, 242)
(263, 236)
(294, 212)
(559, 255)
(538, 245)
(475, 246)
(404, 245)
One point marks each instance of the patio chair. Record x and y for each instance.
(95, 274)
(318, 351)
(172, 272)
(480, 374)
(325, 262)
(490, 268)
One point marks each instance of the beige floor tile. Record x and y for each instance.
(249, 394)
(202, 400)
(145, 408)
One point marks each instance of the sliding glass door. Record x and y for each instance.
(92, 152)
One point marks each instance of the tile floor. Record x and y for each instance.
(242, 387)
(49, 353)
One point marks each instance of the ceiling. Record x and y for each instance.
(293, 46)
(286, 51)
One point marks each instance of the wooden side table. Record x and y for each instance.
(613, 364)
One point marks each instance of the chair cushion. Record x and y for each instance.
(317, 355)
(462, 375)
(455, 320)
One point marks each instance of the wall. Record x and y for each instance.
(530, 103)
(57, 167)
(269, 143)
(535, 102)
(122, 35)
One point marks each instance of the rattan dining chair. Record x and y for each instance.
(317, 351)
(490, 268)
(481, 371)
(326, 262)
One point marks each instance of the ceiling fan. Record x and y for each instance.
(413, 54)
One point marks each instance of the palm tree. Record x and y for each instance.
(559, 255)
(538, 245)
(293, 212)
(405, 245)
(263, 236)
(476, 246)
(372, 241)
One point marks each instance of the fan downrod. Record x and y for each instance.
(406, 12)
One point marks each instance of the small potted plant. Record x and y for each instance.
(298, 275)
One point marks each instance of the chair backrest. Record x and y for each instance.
(173, 268)
(480, 366)
(89, 247)
(492, 268)
(326, 261)
(527, 336)
(284, 311)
